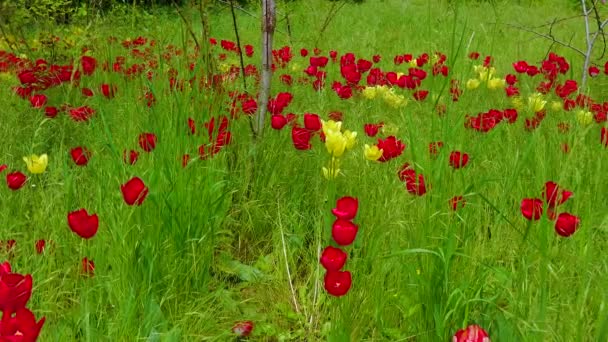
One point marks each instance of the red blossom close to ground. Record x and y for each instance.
(337, 283)
(134, 191)
(83, 224)
(532, 208)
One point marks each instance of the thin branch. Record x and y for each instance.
(557, 21)
(238, 44)
(335, 7)
(550, 37)
(187, 23)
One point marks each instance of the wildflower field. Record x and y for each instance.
(427, 171)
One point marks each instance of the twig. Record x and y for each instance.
(187, 23)
(238, 44)
(550, 37)
(335, 7)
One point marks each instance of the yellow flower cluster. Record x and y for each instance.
(36, 164)
(485, 74)
(386, 93)
(372, 153)
(536, 102)
(585, 118)
(336, 143)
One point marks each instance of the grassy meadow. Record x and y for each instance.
(234, 231)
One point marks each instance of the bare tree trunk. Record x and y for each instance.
(268, 25)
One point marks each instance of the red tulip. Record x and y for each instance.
(15, 180)
(88, 65)
(5, 268)
(416, 185)
(458, 159)
(40, 244)
(346, 208)
(86, 92)
(457, 202)
(3, 167)
(555, 196)
(301, 138)
(10, 244)
(80, 155)
(50, 112)
(134, 191)
(420, 95)
(594, 71)
(147, 141)
(83, 224)
(391, 148)
(337, 283)
(88, 267)
(108, 90)
(371, 130)
(604, 136)
(473, 333)
(312, 122)
(344, 232)
(21, 327)
(278, 121)
(566, 224)
(333, 259)
(15, 292)
(131, 158)
(83, 113)
(532, 208)
(434, 148)
(185, 160)
(336, 116)
(249, 107)
(38, 100)
(243, 329)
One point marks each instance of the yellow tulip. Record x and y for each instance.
(335, 142)
(372, 153)
(381, 90)
(496, 83)
(369, 92)
(295, 67)
(390, 129)
(224, 67)
(536, 102)
(394, 100)
(473, 83)
(36, 164)
(331, 125)
(557, 106)
(517, 102)
(584, 117)
(351, 139)
(414, 63)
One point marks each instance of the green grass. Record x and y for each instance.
(213, 242)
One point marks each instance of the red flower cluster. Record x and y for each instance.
(18, 323)
(532, 209)
(485, 122)
(344, 232)
(472, 333)
(414, 183)
(391, 148)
